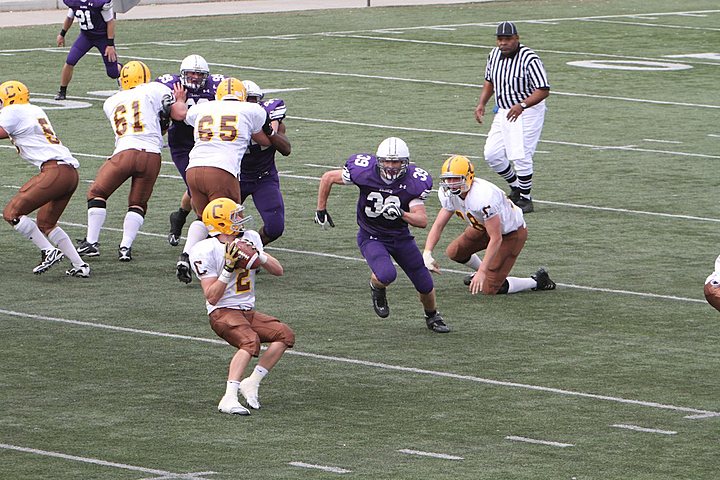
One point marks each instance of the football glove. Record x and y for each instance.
(322, 218)
(391, 211)
(267, 127)
(232, 255)
(430, 263)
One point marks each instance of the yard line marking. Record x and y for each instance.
(660, 141)
(104, 463)
(643, 429)
(713, 135)
(642, 24)
(383, 366)
(430, 454)
(540, 442)
(320, 467)
(624, 210)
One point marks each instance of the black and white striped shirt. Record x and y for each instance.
(515, 78)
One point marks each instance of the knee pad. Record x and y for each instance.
(288, 336)
(97, 203)
(137, 210)
(273, 230)
(386, 275)
(251, 345)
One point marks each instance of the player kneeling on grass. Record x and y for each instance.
(225, 264)
(494, 224)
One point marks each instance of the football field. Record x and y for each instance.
(614, 375)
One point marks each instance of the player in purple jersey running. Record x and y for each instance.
(258, 173)
(200, 87)
(97, 29)
(392, 195)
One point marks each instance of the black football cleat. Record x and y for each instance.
(436, 323)
(514, 195)
(543, 280)
(526, 205)
(182, 268)
(177, 222)
(380, 303)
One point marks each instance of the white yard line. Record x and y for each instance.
(443, 456)
(95, 461)
(384, 366)
(539, 442)
(643, 429)
(320, 467)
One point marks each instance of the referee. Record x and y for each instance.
(516, 75)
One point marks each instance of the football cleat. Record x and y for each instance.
(379, 300)
(177, 222)
(49, 258)
(60, 96)
(81, 271)
(231, 405)
(543, 280)
(514, 195)
(124, 254)
(249, 390)
(183, 268)
(87, 249)
(525, 204)
(436, 323)
(468, 279)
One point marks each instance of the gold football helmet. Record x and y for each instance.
(231, 88)
(223, 215)
(457, 175)
(13, 92)
(134, 73)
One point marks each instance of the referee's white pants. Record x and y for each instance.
(515, 141)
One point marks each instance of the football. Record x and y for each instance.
(248, 258)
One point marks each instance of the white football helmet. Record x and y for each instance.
(197, 65)
(253, 91)
(393, 158)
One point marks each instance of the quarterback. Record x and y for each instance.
(229, 291)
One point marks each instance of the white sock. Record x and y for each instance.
(232, 388)
(96, 219)
(474, 262)
(131, 227)
(516, 284)
(58, 236)
(197, 232)
(258, 374)
(29, 229)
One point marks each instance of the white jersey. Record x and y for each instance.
(222, 132)
(135, 116)
(33, 135)
(484, 201)
(714, 277)
(208, 260)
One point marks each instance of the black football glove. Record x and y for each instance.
(322, 218)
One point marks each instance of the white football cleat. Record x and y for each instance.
(231, 405)
(49, 258)
(249, 390)
(81, 271)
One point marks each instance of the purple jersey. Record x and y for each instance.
(361, 169)
(259, 161)
(180, 134)
(89, 15)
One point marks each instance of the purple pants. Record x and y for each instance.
(379, 254)
(83, 44)
(268, 201)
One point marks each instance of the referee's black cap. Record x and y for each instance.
(506, 29)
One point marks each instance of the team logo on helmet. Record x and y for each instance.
(231, 88)
(194, 72)
(13, 92)
(393, 158)
(223, 215)
(134, 73)
(457, 175)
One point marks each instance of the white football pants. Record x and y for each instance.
(515, 141)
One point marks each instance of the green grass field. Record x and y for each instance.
(118, 376)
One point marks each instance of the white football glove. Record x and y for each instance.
(430, 263)
(391, 211)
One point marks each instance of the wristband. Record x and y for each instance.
(111, 42)
(263, 258)
(226, 276)
(63, 32)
